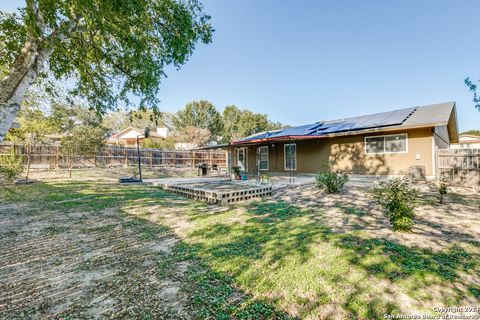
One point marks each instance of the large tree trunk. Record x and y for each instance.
(21, 75)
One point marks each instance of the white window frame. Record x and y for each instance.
(386, 135)
(244, 156)
(260, 158)
(285, 156)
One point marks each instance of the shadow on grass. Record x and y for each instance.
(120, 245)
(254, 253)
(399, 261)
(274, 233)
(267, 234)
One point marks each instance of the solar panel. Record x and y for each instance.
(371, 121)
(297, 131)
(383, 119)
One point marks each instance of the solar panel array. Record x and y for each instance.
(370, 121)
(377, 120)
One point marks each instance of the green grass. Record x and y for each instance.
(213, 294)
(285, 252)
(260, 259)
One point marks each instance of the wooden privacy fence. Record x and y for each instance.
(459, 165)
(51, 157)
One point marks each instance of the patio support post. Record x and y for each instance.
(230, 161)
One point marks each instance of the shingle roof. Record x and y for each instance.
(422, 116)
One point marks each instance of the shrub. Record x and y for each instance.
(11, 165)
(442, 187)
(333, 181)
(399, 198)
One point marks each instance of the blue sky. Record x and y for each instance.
(306, 61)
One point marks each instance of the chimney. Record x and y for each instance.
(162, 132)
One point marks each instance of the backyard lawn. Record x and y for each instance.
(90, 247)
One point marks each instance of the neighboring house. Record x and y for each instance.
(185, 146)
(467, 141)
(128, 136)
(388, 143)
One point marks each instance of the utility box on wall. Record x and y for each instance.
(417, 172)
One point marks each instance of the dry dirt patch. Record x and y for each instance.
(436, 225)
(85, 265)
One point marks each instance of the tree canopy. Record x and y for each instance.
(199, 114)
(115, 51)
(232, 124)
(33, 131)
(476, 96)
(82, 141)
(195, 136)
(472, 132)
(241, 123)
(118, 120)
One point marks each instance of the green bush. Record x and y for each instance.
(333, 181)
(399, 198)
(442, 187)
(11, 165)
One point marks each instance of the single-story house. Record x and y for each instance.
(388, 143)
(128, 136)
(467, 141)
(184, 146)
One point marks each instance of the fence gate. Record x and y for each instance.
(460, 166)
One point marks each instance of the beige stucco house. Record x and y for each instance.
(390, 143)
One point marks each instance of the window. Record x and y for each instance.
(394, 143)
(242, 159)
(263, 158)
(290, 156)
(375, 144)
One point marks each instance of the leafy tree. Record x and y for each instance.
(11, 165)
(33, 131)
(115, 121)
(84, 141)
(472, 132)
(476, 96)
(241, 123)
(115, 51)
(251, 123)
(168, 143)
(119, 120)
(231, 121)
(65, 116)
(193, 135)
(276, 125)
(199, 114)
